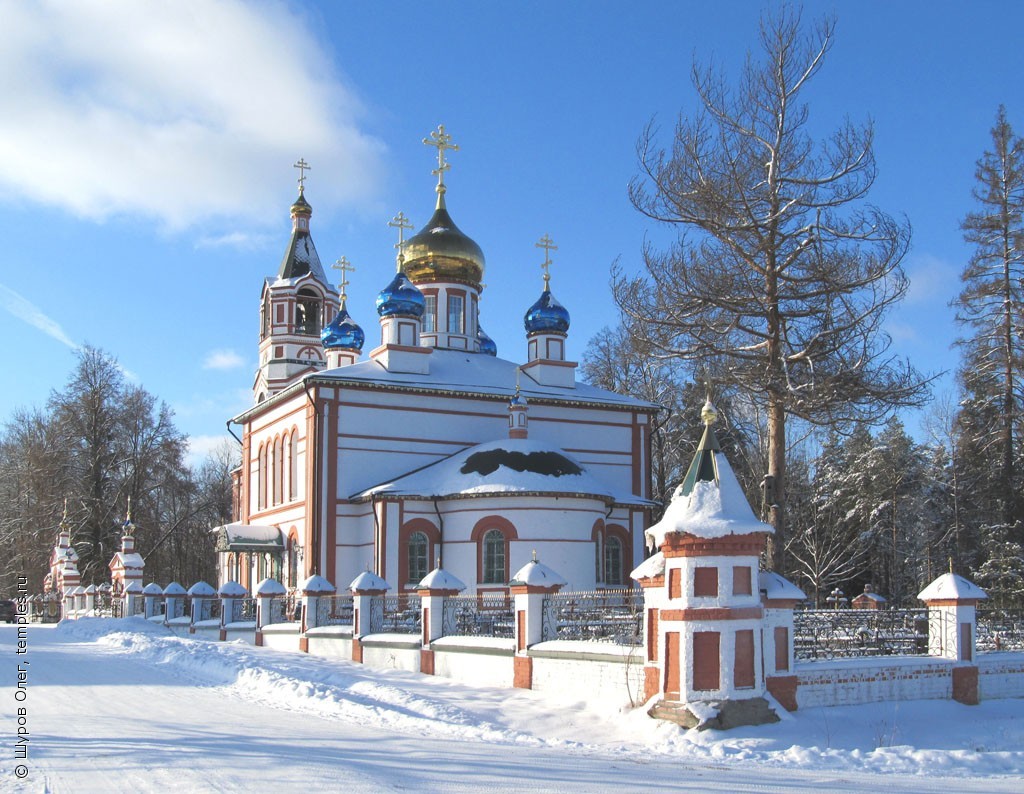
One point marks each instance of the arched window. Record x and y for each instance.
(261, 478)
(278, 471)
(494, 558)
(419, 557)
(307, 313)
(293, 466)
(265, 318)
(613, 560)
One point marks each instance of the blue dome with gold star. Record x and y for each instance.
(487, 345)
(342, 332)
(402, 297)
(547, 314)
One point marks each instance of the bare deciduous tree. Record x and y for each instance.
(782, 275)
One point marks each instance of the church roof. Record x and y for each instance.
(455, 371)
(247, 537)
(509, 466)
(301, 258)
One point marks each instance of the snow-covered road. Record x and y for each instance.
(120, 706)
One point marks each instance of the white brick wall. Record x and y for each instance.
(850, 682)
(1001, 675)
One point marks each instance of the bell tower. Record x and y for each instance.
(295, 307)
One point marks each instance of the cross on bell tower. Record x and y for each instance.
(303, 166)
(548, 245)
(401, 223)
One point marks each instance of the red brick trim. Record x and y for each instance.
(780, 603)
(713, 613)
(783, 689)
(965, 685)
(304, 644)
(652, 581)
(259, 639)
(682, 544)
(357, 650)
(951, 602)
(427, 662)
(522, 672)
(652, 675)
(402, 348)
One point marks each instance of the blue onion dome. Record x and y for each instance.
(342, 332)
(487, 345)
(401, 296)
(547, 314)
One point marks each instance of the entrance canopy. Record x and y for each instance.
(248, 537)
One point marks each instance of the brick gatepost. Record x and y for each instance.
(435, 587)
(952, 619)
(528, 587)
(365, 588)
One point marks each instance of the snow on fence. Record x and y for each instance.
(823, 634)
(614, 616)
(396, 614)
(1000, 629)
(335, 610)
(478, 616)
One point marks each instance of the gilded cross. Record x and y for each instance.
(401, 223)
(442, 141)
(548, 245)
(344, 267)
(303, 167)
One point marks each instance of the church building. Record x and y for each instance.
(429, 448)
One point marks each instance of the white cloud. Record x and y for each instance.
(25, 310)
(933, 281)
(200, 447)
(188, 112)
(223, 359)
(241, 240)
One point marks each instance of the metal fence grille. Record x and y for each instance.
(174, 608)
(478, 616)
(614, 616)
(335, 610)
(205, 609)
(1000, 629)
(117, 607)
(398, 614)
(243, 610)
(851, 633)
(139, 606)
(284, 609)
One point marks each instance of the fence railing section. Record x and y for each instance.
(335, 610)
(138, 606)
(398, 614)
(174, 608)
(614, 616)
(206, 609)
(243, 610)
(999, 629)
(117, 607)
(285, 609)
(851, 633)
(478, 616)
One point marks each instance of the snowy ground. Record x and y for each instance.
(122, 706)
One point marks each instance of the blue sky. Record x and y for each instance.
(146, 158)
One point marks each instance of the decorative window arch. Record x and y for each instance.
(418, 543)
(307, 312)
(493, 536)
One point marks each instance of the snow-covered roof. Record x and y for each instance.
(270, 587)
(464, 373)
(649, 568)
(201, 590)
(232, 590)
(153, 589)
(133, 587)
(536, 574)
(368, 580)
(440, 579)
(317, 584)
(504, 467)
(773, 586)
(129, 560)
(76, 590)
(248, 537)
(871, 597)
(950, 585)
(90, 590)
(709, 503)
(174, 589)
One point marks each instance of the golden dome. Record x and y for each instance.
(441, 252)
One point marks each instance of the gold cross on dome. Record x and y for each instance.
(442, 141)
(548, 245)
(401, 223)
(344, 267)
(303, 167)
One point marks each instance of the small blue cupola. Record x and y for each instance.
(400, 298)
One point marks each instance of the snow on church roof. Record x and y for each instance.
(709, 503)
(473, 373)
(506, 466)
